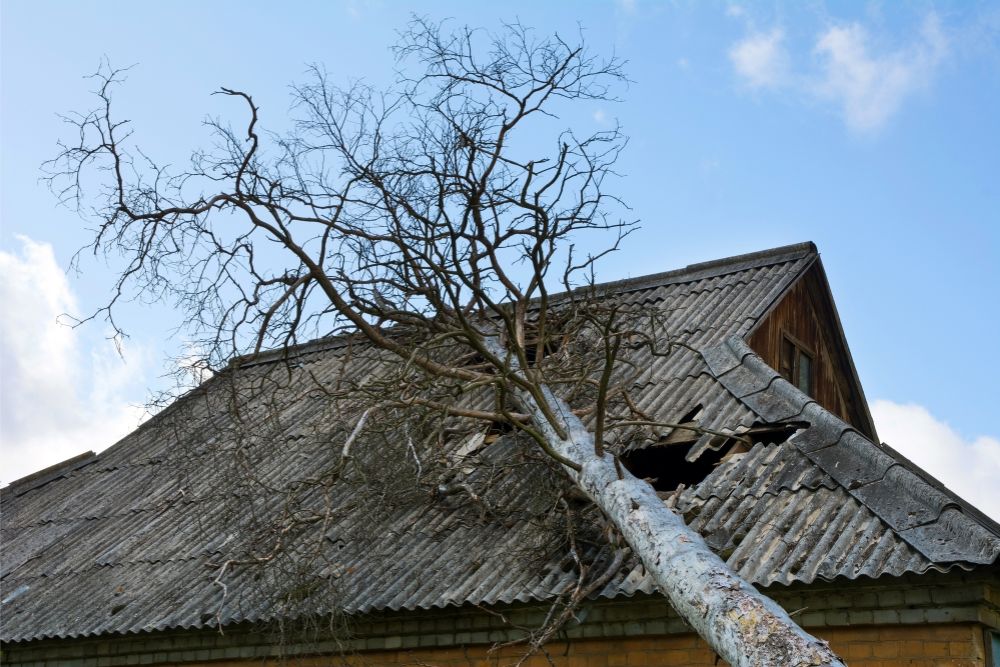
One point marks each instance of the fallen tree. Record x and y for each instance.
(428, 221)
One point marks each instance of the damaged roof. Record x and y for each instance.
(153, 533)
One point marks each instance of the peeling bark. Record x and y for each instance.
(743, 626)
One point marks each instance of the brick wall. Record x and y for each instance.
(925, 620)
(880, 646)
(921, 645)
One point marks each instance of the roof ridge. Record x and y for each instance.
(869, 471)
(689, 273)
(42, 477)
(930, 479)
(713, 268)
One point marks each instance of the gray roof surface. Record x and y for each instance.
(134, 539)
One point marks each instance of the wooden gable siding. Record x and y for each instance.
(806, 316)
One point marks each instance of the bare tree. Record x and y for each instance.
(429, 222)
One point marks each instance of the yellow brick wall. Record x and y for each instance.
(959, 645)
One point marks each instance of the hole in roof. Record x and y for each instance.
(532, 349)
(496, 430)
(674, 461)
(679, 434)
(774, 434)
(691, 414)
(666, 466)
(472, 360)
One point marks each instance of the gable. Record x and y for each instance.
(806, 317)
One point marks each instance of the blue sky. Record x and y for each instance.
(869, 128)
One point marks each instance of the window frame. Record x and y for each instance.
(799, 349)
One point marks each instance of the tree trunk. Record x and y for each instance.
(743, 626)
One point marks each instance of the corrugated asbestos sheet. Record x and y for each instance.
(155, 532)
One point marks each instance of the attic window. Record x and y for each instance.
(797, 364)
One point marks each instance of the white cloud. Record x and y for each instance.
(870, 88)
(760, 59)
(58, 396)
(866, 83)
(969, 467)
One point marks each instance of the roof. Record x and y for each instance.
(144, 536)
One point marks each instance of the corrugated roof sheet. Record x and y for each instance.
(137, 539)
